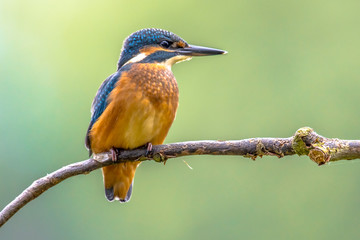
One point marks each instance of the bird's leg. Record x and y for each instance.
(114, 154)
(149, 148)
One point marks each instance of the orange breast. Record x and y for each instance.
(141, 109)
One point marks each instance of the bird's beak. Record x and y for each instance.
(192, 50)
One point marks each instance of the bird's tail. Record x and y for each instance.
(119, 180)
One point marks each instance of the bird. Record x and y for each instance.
(135, 106)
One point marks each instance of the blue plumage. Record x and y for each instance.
(100, 101)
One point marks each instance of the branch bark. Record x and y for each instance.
(304, 142)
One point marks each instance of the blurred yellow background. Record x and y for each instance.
(290, 64)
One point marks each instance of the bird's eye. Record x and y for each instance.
(165, 44)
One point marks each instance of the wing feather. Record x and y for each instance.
(100, 102)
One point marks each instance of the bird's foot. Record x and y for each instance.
(149, 148)
(114, 153)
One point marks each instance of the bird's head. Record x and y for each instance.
(159, 46)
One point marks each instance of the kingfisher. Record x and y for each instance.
(135, 106)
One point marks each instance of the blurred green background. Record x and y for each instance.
(290, 64)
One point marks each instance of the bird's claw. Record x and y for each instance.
(149, 148)
(114, 154)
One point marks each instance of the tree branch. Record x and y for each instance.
(305, 142)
